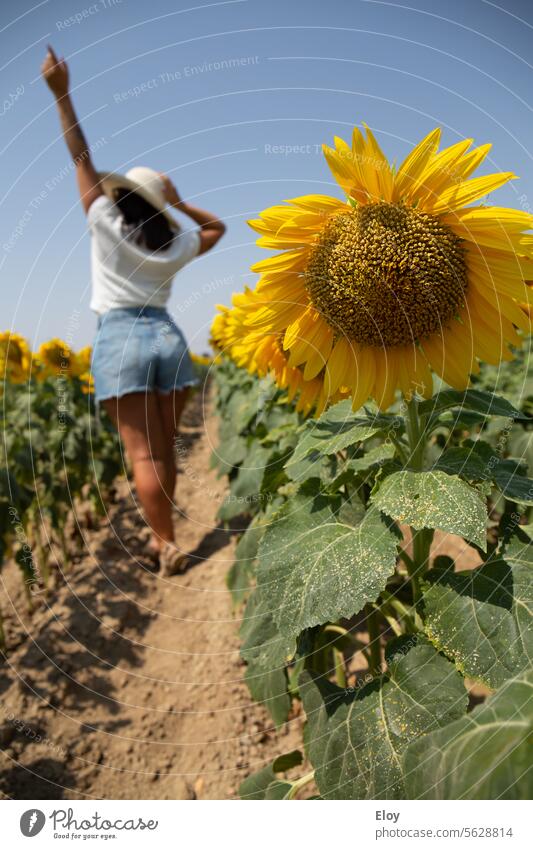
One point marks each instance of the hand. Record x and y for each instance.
(55, 73)
(170, 192)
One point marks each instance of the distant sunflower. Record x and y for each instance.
(15, 357)
(87, 383)
(372, 294)
(201, 360)
(82, 361)
(57, 358)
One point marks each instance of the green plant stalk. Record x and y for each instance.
(397, 605)
(299, 783)
(417, 438)
(400, 447)
(374, 640)
(340, 671)
(391, 620)
(343, 632)
(406, 559)
(357, 644)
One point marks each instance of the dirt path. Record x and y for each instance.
(128, 685)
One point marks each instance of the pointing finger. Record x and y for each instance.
(52, 54)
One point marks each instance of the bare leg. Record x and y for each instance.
(138, 419)
(171, 407)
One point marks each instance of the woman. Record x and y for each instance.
(141, 366)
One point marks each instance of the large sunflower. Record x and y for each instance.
(263, 353)
(372, 294)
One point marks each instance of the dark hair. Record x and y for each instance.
(148, 227)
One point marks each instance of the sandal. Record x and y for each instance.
(172, 561)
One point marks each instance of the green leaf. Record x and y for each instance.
(275, 475)
(245, 404)
(478, 461)
(508, 475)
(464, 462)
(375, 457)
(477, 400)
(265, 676)
(230, 452)
(239, 577)
(484, 755)
(356, 738)
(434, 500)
(264, 784)
(482, 618)
(314, 465)
(520, 445)
(316, 568)
(336, 429)
(244, 494)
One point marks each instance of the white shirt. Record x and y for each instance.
(126, 275)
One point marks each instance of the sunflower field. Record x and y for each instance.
(55, 455)
(375, 427)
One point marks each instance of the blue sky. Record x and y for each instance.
(233, 100)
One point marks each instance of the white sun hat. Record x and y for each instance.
(143, 181)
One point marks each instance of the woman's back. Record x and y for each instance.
(126, 274)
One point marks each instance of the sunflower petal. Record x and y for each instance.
(415, 163)
(464, 193)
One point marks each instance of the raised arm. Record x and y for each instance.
(56, 76)
(211, 228)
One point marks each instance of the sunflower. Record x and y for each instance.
(87, 383)
(38, 369)
(15, 357)
(218, 329)
(401, 279)
(82, 362)
(262, 353)
(201, 360)
(57, 358)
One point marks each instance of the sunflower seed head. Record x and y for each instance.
(383, 274)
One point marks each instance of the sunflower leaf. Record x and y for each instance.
(477, 400)
(479, 461)
(481, 618)
(314, 567)
(434, 500)
(264, 784)
(240, 576)
(337, 429)
(265, 676)
(356, 738)
(245, 488)
(484, 755)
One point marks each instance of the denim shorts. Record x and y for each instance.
(139, 349)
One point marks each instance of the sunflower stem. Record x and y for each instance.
(340, 671)
(422, 538)
(299, 783)
(400, 448)
(416, 436)
(374, 640)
